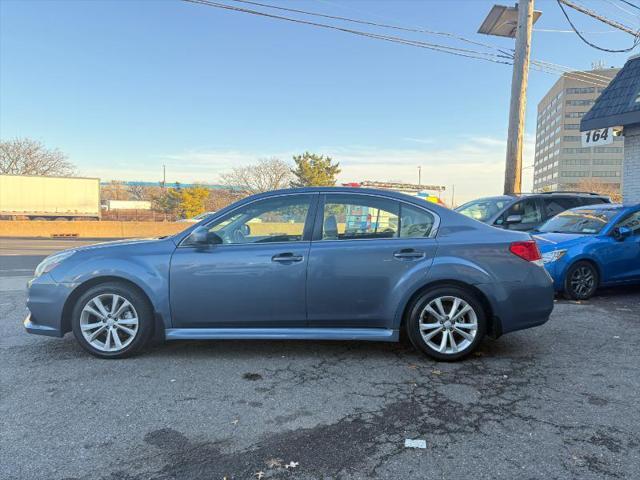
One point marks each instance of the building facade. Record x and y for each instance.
(561, 163)
(619, 106)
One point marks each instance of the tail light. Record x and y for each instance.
(527, 250)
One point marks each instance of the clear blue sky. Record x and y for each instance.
(125, 86)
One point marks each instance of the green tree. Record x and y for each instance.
(314, 170)
(167, 201)
(193, 201)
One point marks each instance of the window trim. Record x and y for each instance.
(319, 219)
(306, 233)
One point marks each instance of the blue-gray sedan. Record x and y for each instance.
(312, 263)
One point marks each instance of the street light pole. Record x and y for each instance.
(517, 108)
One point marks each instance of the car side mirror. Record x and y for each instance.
(202, 236)
(620, 233)
(513, 219)
(246, 230)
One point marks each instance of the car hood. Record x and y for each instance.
(554, 241)
(119, 243)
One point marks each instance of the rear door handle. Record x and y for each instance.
(408, 254)
(286, 257)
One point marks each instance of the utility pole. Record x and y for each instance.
(419, 174)
(164, 176)
(518, 106)
(516, 23)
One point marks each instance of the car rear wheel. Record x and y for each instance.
(446, 323)
(581, 281)
(112, 320)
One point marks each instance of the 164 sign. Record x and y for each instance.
(594, 138)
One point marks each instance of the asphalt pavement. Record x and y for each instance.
(555, 402)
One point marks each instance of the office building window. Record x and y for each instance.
(581, 90)
(577, 150)
(607, 161)
(607, 149)
(580, 103)
(574, 174)
(577, 161)
(605, 173)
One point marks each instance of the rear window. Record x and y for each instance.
(593, 200)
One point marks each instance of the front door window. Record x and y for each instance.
(279, 219)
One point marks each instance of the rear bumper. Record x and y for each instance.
(520, 305)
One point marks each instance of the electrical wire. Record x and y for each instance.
(503, 58)
(478, 55)
(630, 4)
(593, 45)
(374, 24)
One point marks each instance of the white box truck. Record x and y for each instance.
(49, 198)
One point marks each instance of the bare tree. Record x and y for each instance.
(603, 188)
(268, 174)
(25, 156)
(139, 192)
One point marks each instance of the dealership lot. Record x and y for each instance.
(558, 401)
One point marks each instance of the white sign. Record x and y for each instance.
(594, 138)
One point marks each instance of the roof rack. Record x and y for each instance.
(571, 191)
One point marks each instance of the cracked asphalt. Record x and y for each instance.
(555, 402)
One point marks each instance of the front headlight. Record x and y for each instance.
(553, 256)
(52, 262)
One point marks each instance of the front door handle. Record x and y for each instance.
(286, 258)
(408, 254)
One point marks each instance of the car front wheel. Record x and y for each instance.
(112, 320)
(581, 281)
(446, 323)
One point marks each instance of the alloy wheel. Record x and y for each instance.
(583, 281)
(448, 325)
(109, 322)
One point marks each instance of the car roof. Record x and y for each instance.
(355, 190)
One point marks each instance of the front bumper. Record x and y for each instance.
(31, 326)
(45, 301)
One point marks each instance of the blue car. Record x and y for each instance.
(588, 247)
(311, 263)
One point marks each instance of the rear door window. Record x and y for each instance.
(415, 222)
(356, 217)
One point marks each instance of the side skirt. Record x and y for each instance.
(372, 334)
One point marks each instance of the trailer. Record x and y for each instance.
(49, 198)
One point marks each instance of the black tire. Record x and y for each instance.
(420, 304)
(136, 299)
(581, 281)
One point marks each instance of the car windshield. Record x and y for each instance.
(483, 209)
(586, 221)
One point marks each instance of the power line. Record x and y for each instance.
(630, 4)
(564, 68)
(593, 14)
(504, 58)
(462, 52)
(622, 9)
(367, 22)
